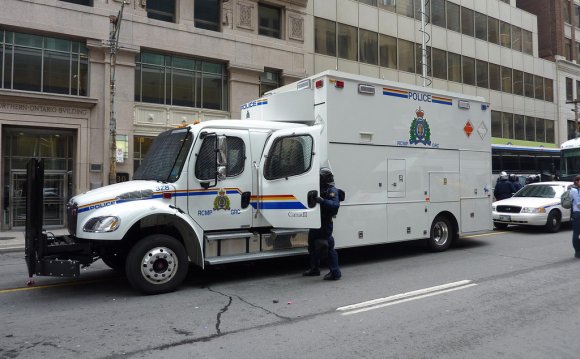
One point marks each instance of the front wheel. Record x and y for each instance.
(554, 221)
(442, 234)
(156, 264)
(500, 225)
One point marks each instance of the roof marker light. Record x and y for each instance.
(339, 84)
(319, 84)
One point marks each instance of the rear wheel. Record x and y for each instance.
(554, 221)
(500, 225)
(442, 234)
(157, 264)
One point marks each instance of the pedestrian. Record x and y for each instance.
(320, 241)
(504, 188)
(575, 194)
(515, 182)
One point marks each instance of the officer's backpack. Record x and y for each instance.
(566, 199)
(341, 195)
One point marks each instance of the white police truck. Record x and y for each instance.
(414, 162)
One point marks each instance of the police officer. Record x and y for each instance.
(320, 241)
(503, 188)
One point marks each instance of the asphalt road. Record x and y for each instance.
(507, 294)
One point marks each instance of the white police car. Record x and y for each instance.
(536, 204)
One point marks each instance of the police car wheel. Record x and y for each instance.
(157, 264)
(554, 221)
(500, 225)
(442, 234)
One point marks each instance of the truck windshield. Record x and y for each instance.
(166, 157)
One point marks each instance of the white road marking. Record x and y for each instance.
(404, 297)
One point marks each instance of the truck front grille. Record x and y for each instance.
(72, 211)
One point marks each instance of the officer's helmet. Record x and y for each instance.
(326, 176)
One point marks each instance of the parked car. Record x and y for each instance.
(536, 204)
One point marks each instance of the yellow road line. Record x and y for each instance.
(485, 234)
(66, 284)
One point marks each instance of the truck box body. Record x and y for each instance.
(414, 162)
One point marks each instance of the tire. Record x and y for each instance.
(115, 261)
(500, 225)
(554, 221)
(442, 234)
(157, 264)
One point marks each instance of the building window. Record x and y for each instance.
(419, 59)
(527, 42)
(454, 67)
(369, 2)
(438, 13)
(269, 80)
(405, 7)
(549, 90)
(530, 128)
(80, 2)
(519, 127)
(528, 85)
(453, 17)
(468, 70)
(369, 46)
(43, 64)
(180, 81)
(506, 1)
(539, 87)
(494, 77)
(206, 14)
(569, 89)
(480, 26)
(550, 135)
(577, 15)
(566, 11)
(506, 79)
(388, 5)
(325, 37)
(439, 64)
(496, 124)
(571, 129)
(482, 74)
(568, 49)
(347, 42)
(163, 10)
(516, 38)
(493, 30)
(269, 21)
(388, 51)
(406, 56)
(518, 83)
(507, 125)
(467, 21)
(141, 146)
(540, 130)
(505, 36)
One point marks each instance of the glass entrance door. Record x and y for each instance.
(55, 195)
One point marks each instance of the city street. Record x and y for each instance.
(508, 294)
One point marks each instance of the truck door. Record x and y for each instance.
(221, 203)
(289, 179)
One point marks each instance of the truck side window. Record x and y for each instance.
(289, 156)
(205, 165)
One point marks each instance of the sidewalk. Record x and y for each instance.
(13, 241)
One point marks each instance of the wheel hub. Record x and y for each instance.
(440, 233)
(159, 265)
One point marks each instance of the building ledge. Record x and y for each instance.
(47, 98)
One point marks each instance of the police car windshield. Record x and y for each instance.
(540, 191)
(166, 157)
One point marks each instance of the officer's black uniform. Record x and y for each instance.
(320, 241)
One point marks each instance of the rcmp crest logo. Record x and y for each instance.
(221, 201)
(420, 131)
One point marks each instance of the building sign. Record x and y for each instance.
(45, 109)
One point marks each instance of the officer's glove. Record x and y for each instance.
(319, 200)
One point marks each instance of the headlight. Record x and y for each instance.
(533, 210)
(102, 224)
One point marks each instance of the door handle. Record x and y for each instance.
(246, 199)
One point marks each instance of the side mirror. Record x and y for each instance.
(221, 173)
(311, 198)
